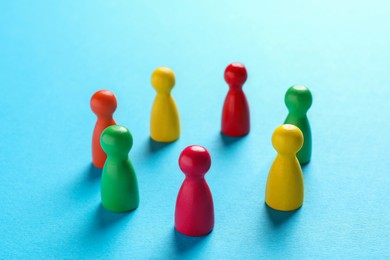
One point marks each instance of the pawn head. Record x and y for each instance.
(298, 99)
(116, 140)
(103, 103)
(235, 75)
(195, 161)
(163, 79)
(287, 139)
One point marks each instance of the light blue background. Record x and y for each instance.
(55, 54)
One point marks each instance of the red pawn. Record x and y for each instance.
(235, 113)
(194, 214)
(103, 104)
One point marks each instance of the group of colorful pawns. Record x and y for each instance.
(194, 213)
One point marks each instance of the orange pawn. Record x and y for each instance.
(103, 104)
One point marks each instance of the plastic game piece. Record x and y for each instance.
(119, 186)
(298, 100)
(284, 189)
(164, 121)
(194, 214)
(235, 113)
(103, 104)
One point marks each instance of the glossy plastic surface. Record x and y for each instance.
(119, 186)
(103, 103)
(164, 120)
(235, 112)
(284, 189)
(194, 214)
(298, 100)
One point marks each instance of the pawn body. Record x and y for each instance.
(285, 188)
(298, 100)
(119, 186)
(164, 121)
(235, 113)
(103, 104)
(194, 213)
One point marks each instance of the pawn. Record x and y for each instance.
(284, 189)
(103, 104)
(298, 100)
(235, 113)
(164, 121)
(194, 214)
(119, 186)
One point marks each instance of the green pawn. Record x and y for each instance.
(298, 100)
(119, 187)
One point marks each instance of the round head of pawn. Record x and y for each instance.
(103, 103)
(116, 141)
(195, 161)
(287, 139)
(163, 80)
(235, 75)
(298, 100)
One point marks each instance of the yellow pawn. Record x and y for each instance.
(164, 120)
(284, 189)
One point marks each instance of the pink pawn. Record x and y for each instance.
(235, 113)
(194, 214)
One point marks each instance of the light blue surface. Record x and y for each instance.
(55, 54)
